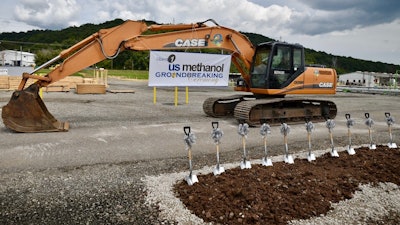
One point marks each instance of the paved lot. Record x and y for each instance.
(94, 173)
(125, 127)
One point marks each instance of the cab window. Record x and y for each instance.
(261, 62)
(297, 60)
(260, 67)
(281, 58)
(281, 67)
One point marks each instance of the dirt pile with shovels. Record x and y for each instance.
(284, 192)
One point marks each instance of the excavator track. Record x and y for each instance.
(276, 111)
(223, 106)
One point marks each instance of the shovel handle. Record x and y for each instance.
(190, 155)
(186, 130)
(214, 125)
(347, 116)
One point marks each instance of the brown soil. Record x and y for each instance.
(286, 192)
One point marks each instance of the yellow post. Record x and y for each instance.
(41, 89)
(187, 95)
(154, 95)
(176, 96)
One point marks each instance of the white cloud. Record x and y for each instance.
(316, 24)
(377, 43)
(7, 25)
(46, 13)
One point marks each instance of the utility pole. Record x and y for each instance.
(20, 50)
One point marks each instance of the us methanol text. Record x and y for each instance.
(193, 71)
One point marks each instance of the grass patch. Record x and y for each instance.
(131, 74)
(89, 73)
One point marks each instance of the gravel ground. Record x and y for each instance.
(372, 204)
(90, 175)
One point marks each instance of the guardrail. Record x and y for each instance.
(369, 90)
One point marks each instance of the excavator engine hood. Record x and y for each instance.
(26, 112)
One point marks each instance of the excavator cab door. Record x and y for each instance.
(276, 65)
(287, 63)
(260, 67)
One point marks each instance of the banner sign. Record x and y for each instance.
(188, 69)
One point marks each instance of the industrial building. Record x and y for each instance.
(368, 79)
(16, 58)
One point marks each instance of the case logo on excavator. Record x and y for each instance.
(325, 85)
(195, 42)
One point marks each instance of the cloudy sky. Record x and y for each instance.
(364, 29)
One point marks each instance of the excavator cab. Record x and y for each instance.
(276, 65)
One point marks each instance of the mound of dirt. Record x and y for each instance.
(286, 192)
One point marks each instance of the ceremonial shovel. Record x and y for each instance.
(243, 131)
(349, 124)
(216, 136)
(264, 131)
(189, 140)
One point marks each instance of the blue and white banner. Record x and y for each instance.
(188, 69)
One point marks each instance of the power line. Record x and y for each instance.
(30, 43)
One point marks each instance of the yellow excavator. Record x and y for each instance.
(269, 71)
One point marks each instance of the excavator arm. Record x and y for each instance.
(26, 112)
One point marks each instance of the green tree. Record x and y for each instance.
(44, 55)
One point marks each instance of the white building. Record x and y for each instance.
(368, 79)
(16, 58)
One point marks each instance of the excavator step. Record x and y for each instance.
(276, 111)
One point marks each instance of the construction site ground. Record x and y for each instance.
(95, 172)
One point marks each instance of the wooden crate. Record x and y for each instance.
(89, 81)
(4, 83)
(13, 82)
(60, 86)
(90, 89)
(73, 81)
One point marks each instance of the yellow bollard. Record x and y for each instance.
(187, 95)
(154, 95)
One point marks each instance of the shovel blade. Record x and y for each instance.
(334, 153)
(392, 145)
(311, 157)
(218, 170)
(266, 161)
(350, 150)
(289, 159)
(191, 179)
(26, 112)
(245, 165)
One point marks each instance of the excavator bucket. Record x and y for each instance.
(26, 112)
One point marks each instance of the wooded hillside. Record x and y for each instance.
(48, 43)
